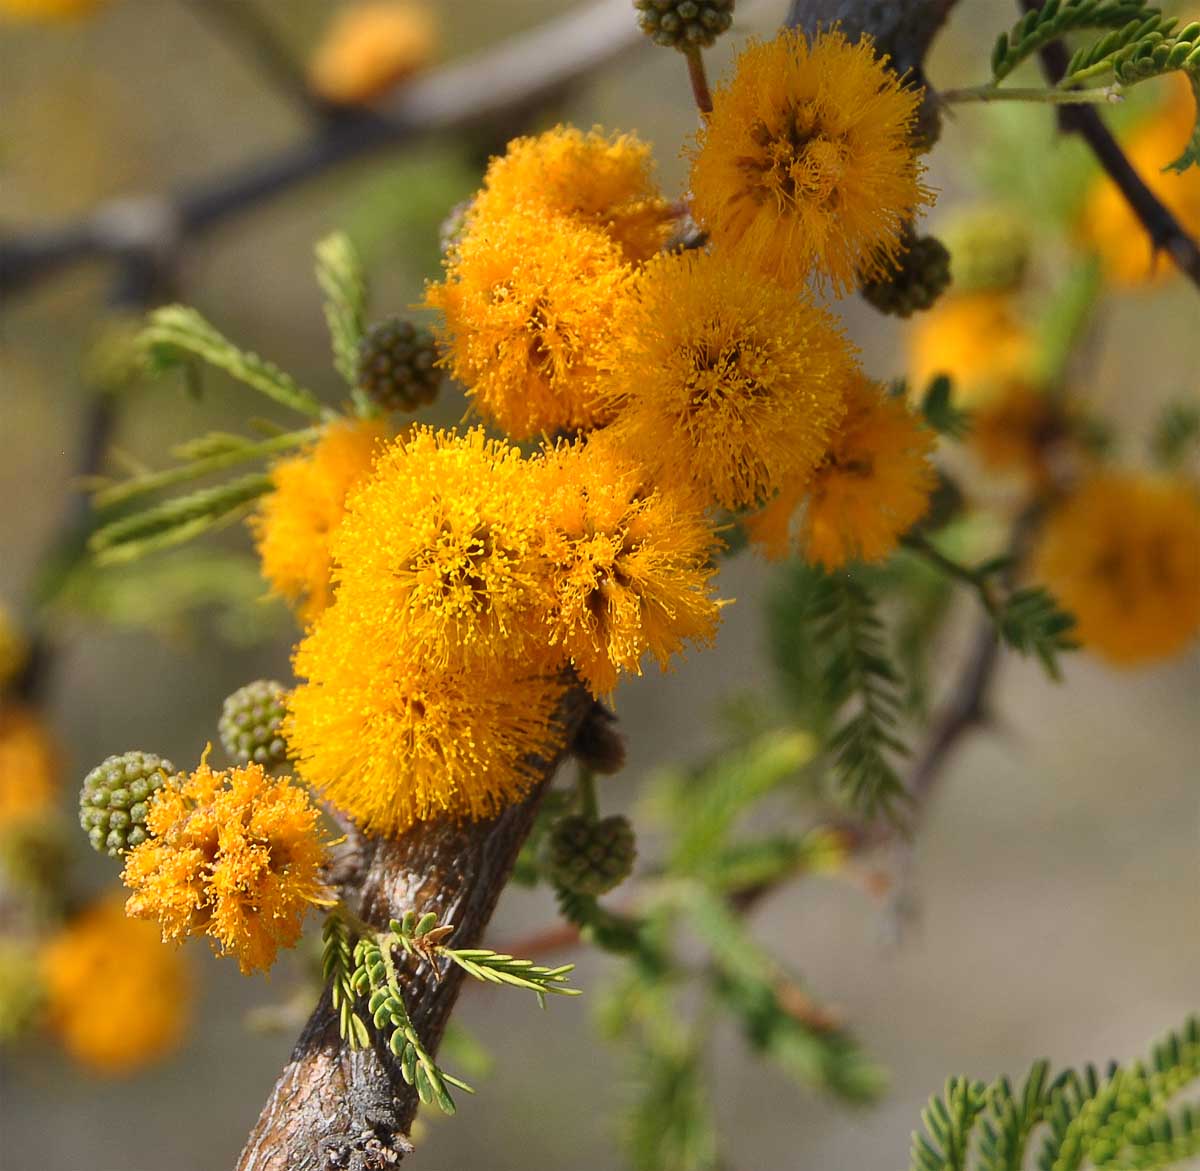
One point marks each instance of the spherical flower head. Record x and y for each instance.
(978, 340)
(1013, 429)
(236, 855)
(48, 10)
(29, 765)
(1107, 224)
(806, 165)
(527, 307)
(873, 485)
(440, 550)
(295, 522)
(369, 48)
(724, 380)
(116, 998)
(630, 565)
(602, 181)
(393, 741)
(1122, 553)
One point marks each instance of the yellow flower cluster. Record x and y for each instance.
(1122, 553)
(296, 520)
(468, 576)
(29, 765)
(665, 386)
(235, 855)
(116, 998)
(48, 10)
(370, 47)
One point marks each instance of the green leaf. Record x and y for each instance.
(176, 521)
(1191, 151)
(1031, 622)
(175, 331)
(343, 281)
(937, 405)
(1178, 430)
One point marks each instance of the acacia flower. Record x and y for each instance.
(723, 380)
(1122, 553)
(806, 164)
(369, 47)
(29, 765)
(295, 522)
(116, 998)
(440, 551)
(872, 486)
(527, 306)
(391, 740)
(630, 565)
(235, 855)
(603, 181)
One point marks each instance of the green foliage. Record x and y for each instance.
(343, 281)
(175, 521)
(937, 405)
(1121, 1119)
(1177, 432)
(1056, 17)
(1031, 622)
(337, 966)
(176, 332)
(375, 977)
(859, 673)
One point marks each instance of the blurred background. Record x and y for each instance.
(1054, 879)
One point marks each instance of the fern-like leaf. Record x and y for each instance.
(343, 281)
(1031, 622)
(949, 1122)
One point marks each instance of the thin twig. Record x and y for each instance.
(1164, 229)
(1108, 95)
(245, 27)
(698, 76)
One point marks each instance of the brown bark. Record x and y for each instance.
(336, 1108)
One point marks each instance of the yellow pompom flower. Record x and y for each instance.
(604, 181)
(873, 485)
(1110, 228)
(369, 48)
(805, 165)
(236, 855)
(392, 741)
(977, 340)
(630, 565)
(440, 548)
(527, 306)
(48, 10)
(116, 998)
(1122, 553)
(29, 765)
(295, 522)
(723, 380)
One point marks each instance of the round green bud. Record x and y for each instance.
(116, 797)
(684, 24)
(396, 365)
(251, 724)
(590, 857)
(919, 277)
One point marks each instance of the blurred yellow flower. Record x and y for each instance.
(369, 47)
(806, 165)
(116, 998)
(1014, 427)
(975, 339)
(604, 181)
(724, 380)
(35, 10)
(236, 855)
(630, 565)
(29, 764)
(527, 308)
(873, 485)
(1122, 553)
(392, 741)
(1110, 228)
(296, 522)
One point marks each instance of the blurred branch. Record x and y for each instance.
(1166, 234)
(494, 86)
(245, 27)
